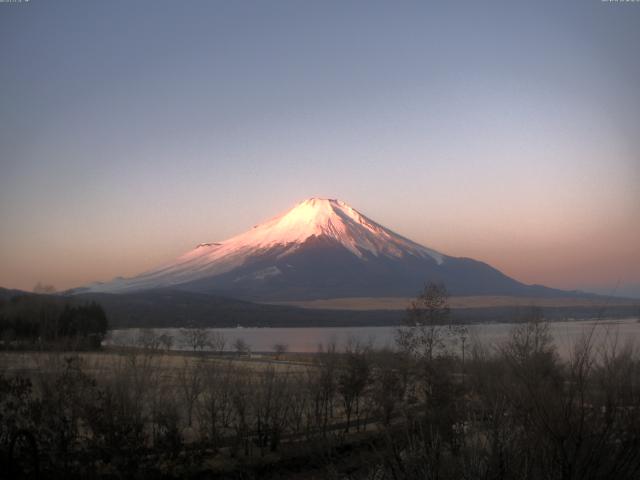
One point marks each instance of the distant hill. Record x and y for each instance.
(175, 308)
(7, 293)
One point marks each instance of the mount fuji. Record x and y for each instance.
(321, 248)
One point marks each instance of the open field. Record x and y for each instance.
(104, 363)
(401, 303)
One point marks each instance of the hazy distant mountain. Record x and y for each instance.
(7, 293)
(321, 248)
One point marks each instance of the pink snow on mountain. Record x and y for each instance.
(315, 217)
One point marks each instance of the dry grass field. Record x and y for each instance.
(400, 303)
(103, 364)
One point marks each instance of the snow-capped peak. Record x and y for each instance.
(332, 218)
(315, 217)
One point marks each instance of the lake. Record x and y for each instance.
(307, 340)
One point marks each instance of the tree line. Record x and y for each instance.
(43, 321)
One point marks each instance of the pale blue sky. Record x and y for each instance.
(505, 131)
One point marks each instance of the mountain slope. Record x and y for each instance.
(322, 248)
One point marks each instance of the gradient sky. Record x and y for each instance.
(504, 131)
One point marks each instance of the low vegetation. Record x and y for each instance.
(420, 411)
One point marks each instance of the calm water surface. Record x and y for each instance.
(306, 340)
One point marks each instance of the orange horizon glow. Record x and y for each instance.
(568, 259)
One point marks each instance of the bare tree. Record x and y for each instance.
(166, 341)
(196, 338)
(120, 417)
(299, 401)
(241, 347)
(427, 324)
(148, 339)
(217, 342)
(190, 381)
(216, 407)
(280, 349)
(240, 395)
(578, 419)
(269, 407)
(323, 382)
(530, 342)
(388, 386)
(353, 378)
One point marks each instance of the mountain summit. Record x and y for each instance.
(333, 220)
(321, 248)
